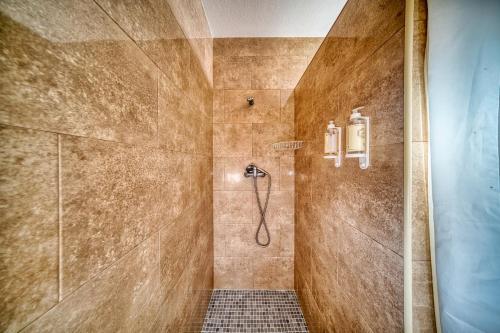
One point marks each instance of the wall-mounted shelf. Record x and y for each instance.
(288, 145)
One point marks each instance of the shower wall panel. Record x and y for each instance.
(106, 158)
(348, 221)
(267, 69)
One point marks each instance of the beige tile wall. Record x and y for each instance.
(348, 221)
(267, 69)
(423, 303)
(106, 158)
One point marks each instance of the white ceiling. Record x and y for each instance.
(271, 18)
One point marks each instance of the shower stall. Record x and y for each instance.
(249, 166)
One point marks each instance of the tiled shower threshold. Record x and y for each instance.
(238, 311)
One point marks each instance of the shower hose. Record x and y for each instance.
(262, 211)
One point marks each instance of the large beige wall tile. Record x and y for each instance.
(71, 70)
(232, 207)
(29, 227)
(378, 84)
(273, 273)
(233, 273)
(160, 36)
(287, 173)
(124, 298)
(191, 17)
(175, 118)
(371, 200)
(368, 272)
(352, 40)
(232, 139)
(109, 206)
(265, 72)
(234, 168)
(348, 222)
(279, 209)
(420, 212)
(268, 46)
(423, 303)
(218, 108)
(265, 110)
(264, 135)
(291, 69)
(287, 106)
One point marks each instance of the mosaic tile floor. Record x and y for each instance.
(254, 311)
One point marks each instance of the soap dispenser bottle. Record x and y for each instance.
(331, 136)
(356, 133)
(358, 138)
(333, 149)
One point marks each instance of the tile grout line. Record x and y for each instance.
(59, 214)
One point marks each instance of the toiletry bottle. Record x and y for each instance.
(356, 133)
(331, 137)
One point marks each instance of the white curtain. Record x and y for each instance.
(464, 94)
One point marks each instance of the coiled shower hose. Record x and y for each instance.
(262, 211)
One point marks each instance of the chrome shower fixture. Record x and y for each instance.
(250, 100)
(253, 171)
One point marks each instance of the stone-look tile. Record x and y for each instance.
(423, 303)
(314, 318)
(419, 96)
(160, 36)
(339, 54)
(420, 211)
(343, 274)
(176, 114)
(123, 298)
(218, 173)
(379, 87)
(265, 110)
(287, 106)
(372, 200)
(287, 173)
(114, 204)
(277, 72)
(218, 107)
(287, 240)
(219, 240)
(233, 273)
(199, 90)
(269, 46)
(265, 73)
(232, 73)
(191, 17)
(234, 167)
(273, 273)
(264, 135)
(29, 227)
(240, 241)
(420, 10)
(232, 139)
(291, 69)
(266, 69)
(279, 209)
(176, 248)
(369, 272)
(232, 207)
(57, 56)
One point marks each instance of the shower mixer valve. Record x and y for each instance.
(253, 171)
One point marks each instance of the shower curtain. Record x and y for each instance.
(463, 64)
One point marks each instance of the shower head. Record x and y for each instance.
(253, 171)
